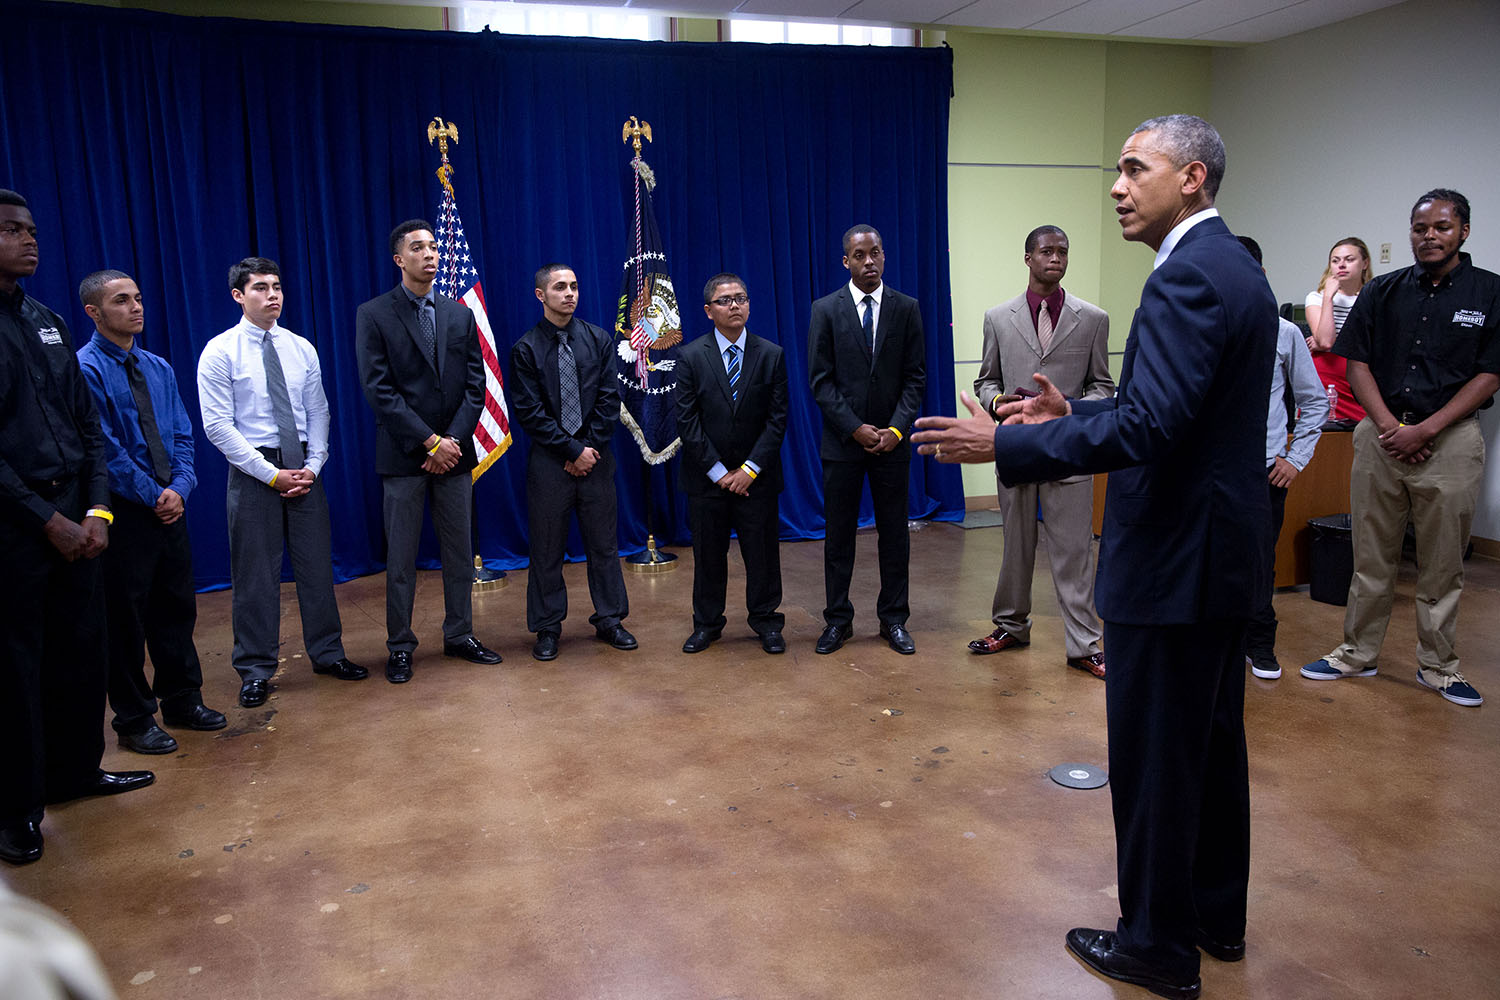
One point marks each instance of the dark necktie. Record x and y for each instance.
(429, 334)
(869, 323)
(281, 406)
(732, 365)
(567, 385)
(161, 468)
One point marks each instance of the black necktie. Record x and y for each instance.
(567, 385)
(161, 468)
(429, 334)
(869, 323)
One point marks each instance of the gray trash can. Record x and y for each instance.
(1330, 557)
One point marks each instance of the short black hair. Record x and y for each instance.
(1186, 138)
(1459, 202)
(860, 230)
(546, 271)
(9, 197)
(1039, 232)
(240, 273)
(722, 278)
(91, 288)
(398, 235)
(1254, 249)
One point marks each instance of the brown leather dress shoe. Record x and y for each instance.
(1093, 663)
(995, 642)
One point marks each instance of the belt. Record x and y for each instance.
(273, 455)
(49, 489)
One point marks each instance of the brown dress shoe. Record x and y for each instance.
(1093, 663)
(995, 642)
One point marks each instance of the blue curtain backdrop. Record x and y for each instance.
(170, 147)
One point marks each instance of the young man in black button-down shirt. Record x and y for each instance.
(1424, 354)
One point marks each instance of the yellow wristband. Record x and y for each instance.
(273, 477)
(899, 435)
(434, 448)
(102, 514)
(749, 471)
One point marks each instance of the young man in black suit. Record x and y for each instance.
(419, 363)
(867, 368)
(563, 387)
(731, 415)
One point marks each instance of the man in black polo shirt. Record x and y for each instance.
(1424, 354)
(54, 512)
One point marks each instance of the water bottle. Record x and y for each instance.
(1332, 392)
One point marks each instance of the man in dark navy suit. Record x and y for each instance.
(1179, 569)
(731, 415)
(867, 369)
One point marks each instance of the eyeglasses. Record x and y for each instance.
(724, 301)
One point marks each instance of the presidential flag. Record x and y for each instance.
(649, 329)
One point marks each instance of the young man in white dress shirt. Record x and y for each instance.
(273, 428)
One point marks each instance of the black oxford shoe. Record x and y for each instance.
(700, 640)
(1232, 952)
(21, 843)
(471, 649)
(344, 670)
(617, 637)
(546, 646)
(117, 782)
(1097, 950)
(832, 638)
(772, 641)
(254, 693)
(197, 717)
(900, 640)
(398, 667)
(151, 740)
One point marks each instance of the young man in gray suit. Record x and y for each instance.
(1067, 339)
(419, 363)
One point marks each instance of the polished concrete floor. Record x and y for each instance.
(656, 826)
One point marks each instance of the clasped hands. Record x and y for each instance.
(875, 440)
(583, 464)
(444, 456)
(293, 482)
(737, 481)
(1409, 443)
(972, 438)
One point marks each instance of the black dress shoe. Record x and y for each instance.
(1217, 949)
(344, 670)
(617, 637)
(151, 740)
(199, 717)
(699, 640)
(116, 782)
(21, 843)
(253, 693)
(772, 642)
(899, 639)
(398, 667)
(546, 646)
(1096, 949)
(832, 638)
(471, 649)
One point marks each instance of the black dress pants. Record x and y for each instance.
(1260, 637)
(757, 522)
(843, 482)
(552, 496)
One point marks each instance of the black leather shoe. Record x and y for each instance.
(772, 641)
(699, 640)
(832, 638)
(197, 717)
(21, 843)
(151, 740)
(253, 693)
(1096, 949)
(1218, 949)
(344, 670)
(546, 646)
(899, 639)
(471, 649)
(398, 667)
(617, 637)
(116, 782)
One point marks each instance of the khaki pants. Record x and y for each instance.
(1439, 496)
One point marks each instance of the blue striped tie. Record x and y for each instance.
(732, 363)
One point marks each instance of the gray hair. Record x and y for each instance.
(1185, 138)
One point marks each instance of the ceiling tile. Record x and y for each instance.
(1104, 17)
(1292, 19)
(901, 11)
(826, 10)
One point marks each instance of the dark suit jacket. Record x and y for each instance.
(535, 396)
(714, 428)
(412, 399)
(1183, 439)
(852, 388)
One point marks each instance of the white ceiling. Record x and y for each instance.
(1197, 20)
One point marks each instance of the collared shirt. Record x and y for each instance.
(1054, 307)
(125, 449)
(859, 303)
(48, 429)
(237, 414)
(1170, 243)
(719, 471)
(1423, 343)
(1294, 367)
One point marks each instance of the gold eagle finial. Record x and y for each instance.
(633, 131)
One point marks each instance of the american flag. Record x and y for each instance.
(458, 278)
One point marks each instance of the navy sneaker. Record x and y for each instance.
(1453, 687)
(1324, 670)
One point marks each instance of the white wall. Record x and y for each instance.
(1335, 132)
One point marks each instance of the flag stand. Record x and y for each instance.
(650, 559)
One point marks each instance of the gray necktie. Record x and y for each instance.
(429, 334)
(567, 385)
(281, 406)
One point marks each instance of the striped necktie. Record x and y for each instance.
(1044, 328)
(732, 366)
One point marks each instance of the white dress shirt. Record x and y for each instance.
(718, 472)
(859, 304)
(237, 413)
(1170, 243)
